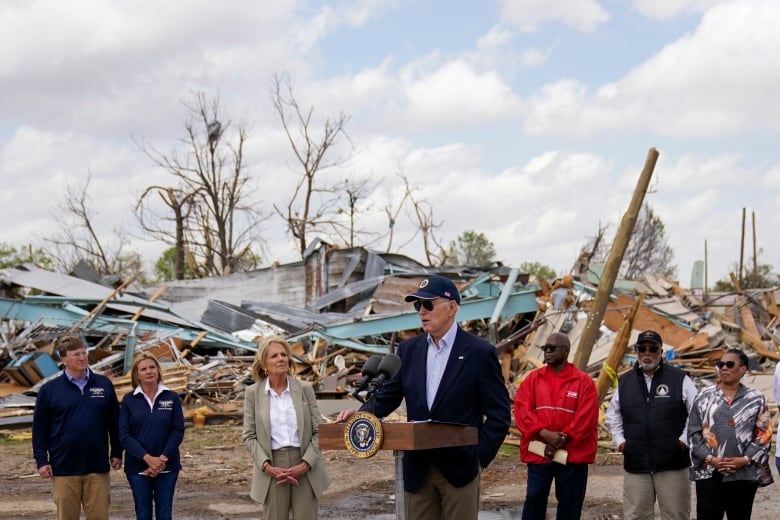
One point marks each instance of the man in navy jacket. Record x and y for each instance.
(446, 375)
(75, 430)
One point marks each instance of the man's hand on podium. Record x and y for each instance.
(344, 415)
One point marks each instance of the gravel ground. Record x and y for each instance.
(215, 482)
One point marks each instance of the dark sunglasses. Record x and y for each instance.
(727, 364)
(652, 349)
(426, 304)
(551, 348)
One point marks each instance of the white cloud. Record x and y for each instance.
(533, 57)
(497, 36)
(708, 84)
(664, 9)
(455, 94)
(527, 15)
(772, 178)
(444, 111)
(718, 171)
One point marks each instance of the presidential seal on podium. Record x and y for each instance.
(363, 435)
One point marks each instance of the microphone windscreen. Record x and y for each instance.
(389, 365)
(371, 366)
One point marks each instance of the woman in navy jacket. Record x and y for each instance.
(151, 428)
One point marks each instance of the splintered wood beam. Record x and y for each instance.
(608, 373)
(756, 344)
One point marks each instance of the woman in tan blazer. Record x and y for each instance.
(281, 433)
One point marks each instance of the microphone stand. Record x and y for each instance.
(356, 395)
(373, 388)
(398, 455)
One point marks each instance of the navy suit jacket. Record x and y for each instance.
(471, 392)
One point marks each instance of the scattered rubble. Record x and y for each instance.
(340, 306)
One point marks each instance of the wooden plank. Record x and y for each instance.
(699, 341)
(748, 320)
(759, 346)
(646, 319)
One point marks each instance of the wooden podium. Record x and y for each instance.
(405, 436)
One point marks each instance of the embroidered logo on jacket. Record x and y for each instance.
(572, 393)
(662, 391)
(165, 405)
(97, 392)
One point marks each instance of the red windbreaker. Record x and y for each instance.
(565, 402)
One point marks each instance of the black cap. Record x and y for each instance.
(435, 287)
(650, 336)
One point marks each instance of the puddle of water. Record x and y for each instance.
(504, 514)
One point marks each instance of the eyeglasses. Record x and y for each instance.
(653, 349)
(551, 348)
(727, 364)
(427, 304)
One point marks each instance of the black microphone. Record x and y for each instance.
(387, 369)
(369, 372)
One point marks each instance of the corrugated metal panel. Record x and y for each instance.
(226, 317)
(279, 284)
(31, 276)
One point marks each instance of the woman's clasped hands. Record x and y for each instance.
(288, 475)
(156, 465)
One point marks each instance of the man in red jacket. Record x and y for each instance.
(557, 411)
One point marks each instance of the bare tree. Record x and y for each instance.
(213, 223)
(394, 212)
(648, 249)
(595, 249)
(157, 224)
(422, 210)
(79, 240)
(313, 205)
(352, 193)
(420, 213)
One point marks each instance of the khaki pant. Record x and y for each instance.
(671, 488)
(71, 492)
(441, 500)
(285, 498)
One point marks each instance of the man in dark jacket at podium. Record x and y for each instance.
(446, 375)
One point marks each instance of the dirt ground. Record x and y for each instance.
(215, 481)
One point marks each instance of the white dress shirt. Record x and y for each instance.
(437, 361)
(284, 423)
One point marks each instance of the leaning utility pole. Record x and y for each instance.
(742, 249)
(611, 268)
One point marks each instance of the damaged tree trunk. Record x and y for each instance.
(607, 281)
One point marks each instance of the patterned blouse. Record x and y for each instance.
(720, 429)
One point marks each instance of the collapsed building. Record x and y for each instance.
(338, 307)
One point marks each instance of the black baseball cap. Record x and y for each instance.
(650, 336)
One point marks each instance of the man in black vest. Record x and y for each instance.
(647, 418)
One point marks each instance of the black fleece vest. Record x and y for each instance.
(653, 421)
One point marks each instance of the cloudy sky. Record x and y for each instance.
(526, 120)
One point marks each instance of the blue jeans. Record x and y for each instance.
(153, 490)
(571, 481)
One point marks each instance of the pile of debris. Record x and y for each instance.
(340, 306)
